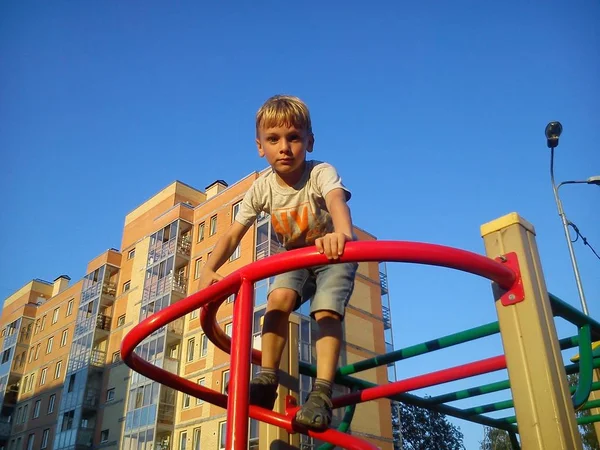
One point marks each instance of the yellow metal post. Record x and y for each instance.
(271, 437)
(545, 415)
(595, 395)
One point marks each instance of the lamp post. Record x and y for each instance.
(553, 132)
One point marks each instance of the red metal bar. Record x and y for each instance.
(211, 297)
(422, 381)
(237, 405)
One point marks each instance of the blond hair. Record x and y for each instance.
(284, 110)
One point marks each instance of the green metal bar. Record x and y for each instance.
(420, 349)
(506, 404)
(588, 419)
(562, 309)
(592, 404)
(514, 442)
(584, 383)
(307, 369)
(564, 343)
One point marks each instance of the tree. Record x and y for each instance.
(422, 429)
(588, 434)
(495, 439)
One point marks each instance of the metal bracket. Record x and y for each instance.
(516, 294)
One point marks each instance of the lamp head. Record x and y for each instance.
(553, 132)
(594, 180)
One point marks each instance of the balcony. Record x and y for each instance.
(166, 414)
(97, 358)
(170, 283)
(103, 322)
(268, 248)
(171, 365)
(386, 316)
(383, 282)
(91, 399)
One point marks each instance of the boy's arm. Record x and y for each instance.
(222, 251)
(333, 244)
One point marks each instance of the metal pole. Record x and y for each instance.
(565, 224)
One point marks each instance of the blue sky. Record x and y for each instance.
(434, 116)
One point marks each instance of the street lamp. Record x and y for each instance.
(553, 132)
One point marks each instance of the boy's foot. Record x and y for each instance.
(315, 413)
(263, 391)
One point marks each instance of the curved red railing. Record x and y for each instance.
(241, 282)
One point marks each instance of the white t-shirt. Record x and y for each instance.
(298, 213)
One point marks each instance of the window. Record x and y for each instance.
(51, 402)
(104, 436)
(121, 321)
(196, 443)
(49, 346)
(228, 328)
(37, 352)
(126, 286)
(43, 322)
(55, 316)
(110, 395)
(183, 440)
(69, 308)
(43, 376)
(186, 401)
(63, 338)
(230, 299)
(18, 417)
(190, 349)
(197, 268)
(213, 225)
(71, 384)
(201, 232)
(224, 380)
(36, 409)
(57, 370)
(236, 254)
(30, 440)
(204, 348)
(45, 436)
(222, 435)
(234, 210)
(25, 413)
(131, 253)
(194, 314)
(116, 357)
(67, 422)
(201, 382)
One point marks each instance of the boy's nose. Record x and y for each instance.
(284, 146)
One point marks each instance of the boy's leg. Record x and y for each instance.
(335, 284)
(283, 296)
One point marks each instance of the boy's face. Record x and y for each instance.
(285, 148)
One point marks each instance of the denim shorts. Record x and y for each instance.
(328, 287)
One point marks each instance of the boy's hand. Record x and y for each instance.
(332, 244)
(208, 277)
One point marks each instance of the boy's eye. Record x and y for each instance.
(272, 139)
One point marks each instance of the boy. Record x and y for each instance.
(307, 204)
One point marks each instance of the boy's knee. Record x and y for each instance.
(325, 314)
(283, 299)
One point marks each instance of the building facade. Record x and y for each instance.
(63, 384)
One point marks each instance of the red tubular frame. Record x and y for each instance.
(242, 281)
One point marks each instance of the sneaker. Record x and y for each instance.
(315, 413)
(263, 391)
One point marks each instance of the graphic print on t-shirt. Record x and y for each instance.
(297, 226)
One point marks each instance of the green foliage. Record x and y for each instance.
(422, 429)
(495, 439)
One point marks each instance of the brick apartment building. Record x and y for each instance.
(63, 384)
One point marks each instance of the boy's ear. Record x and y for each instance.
(261, 152)
(311, 143)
